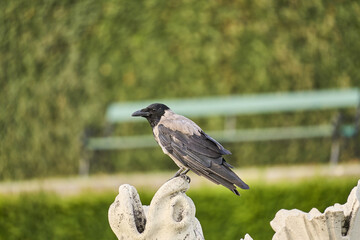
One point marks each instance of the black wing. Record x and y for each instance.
(201, 154)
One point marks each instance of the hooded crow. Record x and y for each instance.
(190, 147)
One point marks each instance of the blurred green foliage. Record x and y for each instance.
(63, 62)
(222, 214)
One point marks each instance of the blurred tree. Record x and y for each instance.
(63, 62)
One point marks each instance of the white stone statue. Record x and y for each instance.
(339, 222)
(171, 214)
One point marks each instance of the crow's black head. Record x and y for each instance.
(152, 113)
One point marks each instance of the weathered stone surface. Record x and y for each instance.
(338, 222)
(171, 214)
(247, 237)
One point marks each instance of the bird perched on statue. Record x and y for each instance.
(190, 147)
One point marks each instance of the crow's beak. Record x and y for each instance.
(141, 113)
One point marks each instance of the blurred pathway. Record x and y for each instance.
(152, 181)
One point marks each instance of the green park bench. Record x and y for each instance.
(235, 105)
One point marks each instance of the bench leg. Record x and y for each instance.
(84, 166)
(335, 152)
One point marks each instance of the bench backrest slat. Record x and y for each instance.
(243, 104)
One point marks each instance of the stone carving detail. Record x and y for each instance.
(171, 214)
(338, 222)
(247, 237)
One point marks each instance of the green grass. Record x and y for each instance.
(223, 215)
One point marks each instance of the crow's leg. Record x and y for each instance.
(185, 172)
(182, 173)
(178, 173)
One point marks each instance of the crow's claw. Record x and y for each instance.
(186, 177)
